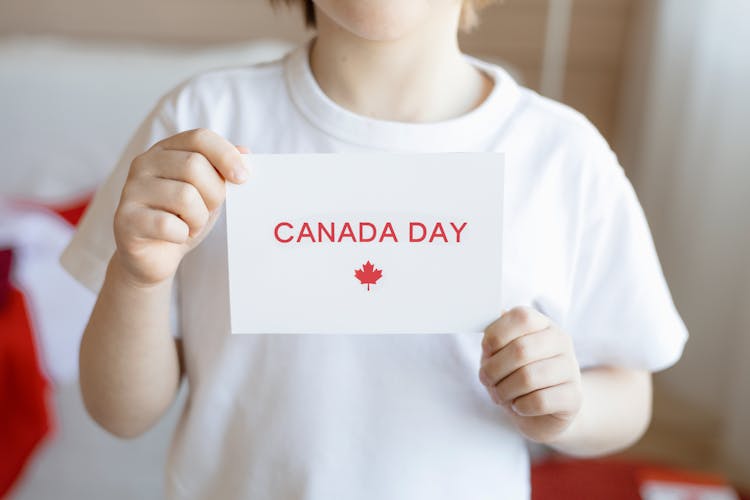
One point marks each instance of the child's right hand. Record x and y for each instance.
(170, 202)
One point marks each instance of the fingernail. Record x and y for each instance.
(240, 174)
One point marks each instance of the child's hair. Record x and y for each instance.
(469, 11)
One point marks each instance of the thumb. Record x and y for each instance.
(242, 149)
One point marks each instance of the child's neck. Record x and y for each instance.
(419, 78)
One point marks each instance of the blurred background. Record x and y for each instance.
(666, 81)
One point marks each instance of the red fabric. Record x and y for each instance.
(72, 212)
(565, 479)
(25, 418)
(24, 415)
(6, 256)
(569, 479)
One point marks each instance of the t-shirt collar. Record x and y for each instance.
(463, 133)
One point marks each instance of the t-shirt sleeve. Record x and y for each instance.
(88, 253)
(621, 310)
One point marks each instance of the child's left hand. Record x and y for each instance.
(530, 369)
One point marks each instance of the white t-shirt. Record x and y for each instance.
(396, 417)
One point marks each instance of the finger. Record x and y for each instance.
(558, 399)
(534, 376)
(177, 197)
(520, 352)
(153, 224)
(195, 169)
(222, 154)
(511, 325)
(243, 150)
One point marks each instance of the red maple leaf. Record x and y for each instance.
(368, 275)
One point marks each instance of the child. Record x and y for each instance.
(383, 417)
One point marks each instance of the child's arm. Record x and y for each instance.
(616, 411)
(530, 369)
(129, 362)
(129, 366)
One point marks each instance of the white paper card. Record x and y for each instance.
(366, 243)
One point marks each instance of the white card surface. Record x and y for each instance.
(366, 243)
